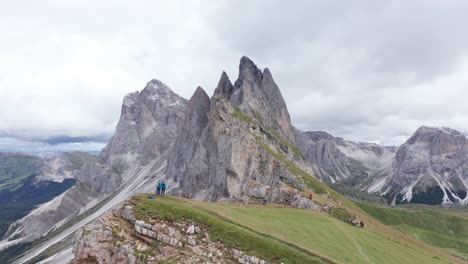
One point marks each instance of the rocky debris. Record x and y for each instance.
(327, 207)
(125, 212)
(191, 230)
(99, 243)
(246, 259)
(119, 237)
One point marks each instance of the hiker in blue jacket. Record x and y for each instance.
(158, 187)
(163, 187)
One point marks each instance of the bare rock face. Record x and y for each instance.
(98, 243)
(240, 137)
(431, 167)
(336, 160)
(146, 130)
(256, 93)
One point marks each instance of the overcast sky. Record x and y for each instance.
(363, 70)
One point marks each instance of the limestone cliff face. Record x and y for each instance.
(236, 144)
(337, 160)
(146, 130)
(256, 93)
(431, 167)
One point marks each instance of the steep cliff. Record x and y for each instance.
(238, 144)
(431, 167)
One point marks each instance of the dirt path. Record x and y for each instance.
(355, 243)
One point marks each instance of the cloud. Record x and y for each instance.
(366, 70)
(42, 149)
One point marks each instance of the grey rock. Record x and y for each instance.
(191, 230)
(96, 243)
(191, 241)
(237, 253)
(217, 154)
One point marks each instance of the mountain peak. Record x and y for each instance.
(225, 87)
(157, 84)
(248, 71)
(427, 130)
(199, 92)
(318, 135)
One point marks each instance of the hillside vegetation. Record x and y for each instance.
(440, 227)
(15, 169)
(291, 235)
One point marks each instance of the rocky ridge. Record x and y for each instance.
(236, 146)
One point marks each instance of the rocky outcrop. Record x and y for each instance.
(119, 237)
(97, 244)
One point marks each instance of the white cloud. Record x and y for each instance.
(364, 71)
(8, 144)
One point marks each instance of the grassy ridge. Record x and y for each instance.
(228, 232)
(289, 235)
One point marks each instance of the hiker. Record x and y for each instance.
(310, 195)
(361, 224)
(158, 187)
(163, 187)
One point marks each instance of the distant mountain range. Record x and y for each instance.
(430, 167)
(27, 181)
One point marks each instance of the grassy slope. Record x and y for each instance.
(445, 228)
(292, 235)
(230, 232)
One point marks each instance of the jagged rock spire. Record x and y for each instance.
(225, 87)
